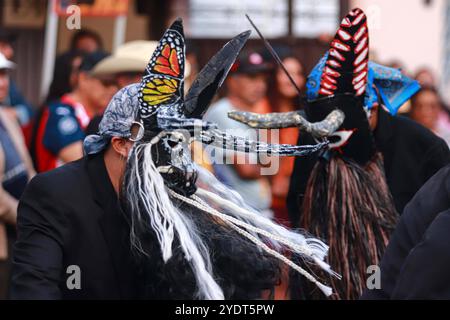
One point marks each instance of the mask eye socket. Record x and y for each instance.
(175, 139)
(340, 138)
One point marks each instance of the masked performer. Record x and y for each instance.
(345, 197)
(411, 153)
(137, 218)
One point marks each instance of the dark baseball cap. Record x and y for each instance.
(90, 60)
(7, 36)
(250, 62)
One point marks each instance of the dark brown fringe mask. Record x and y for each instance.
(349, 207)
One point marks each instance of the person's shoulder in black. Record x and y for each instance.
(420, 141)
(58, 192)
(43, 231)
(69, 217)
(60, 181)
(416, 262)
(411, 153)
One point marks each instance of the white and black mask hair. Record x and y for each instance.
(160, 173)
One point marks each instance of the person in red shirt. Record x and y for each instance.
(59, 131)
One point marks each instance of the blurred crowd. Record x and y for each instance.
(40, 138)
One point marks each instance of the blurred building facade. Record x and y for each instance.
(407, 31)
(410, 31)
(297, 23)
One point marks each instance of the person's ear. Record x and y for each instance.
(121, 146)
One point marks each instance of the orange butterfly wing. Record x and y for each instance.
(168, 63)
(163, 81)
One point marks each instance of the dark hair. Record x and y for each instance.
(273, 93)
(240, 268)
(61, 76)
(351, 207)
(64, 67)
(7, 36)
(60, 85)
(86, 33)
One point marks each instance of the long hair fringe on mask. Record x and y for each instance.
(146, 190)
(146, 193)
(228, 201)
(351, 207)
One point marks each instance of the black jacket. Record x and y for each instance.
(71, 216)
(416, 263)
(412, 154)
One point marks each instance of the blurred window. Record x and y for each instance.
(313, 18)
(225, 19)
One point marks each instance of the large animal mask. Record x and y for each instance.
(172, 120)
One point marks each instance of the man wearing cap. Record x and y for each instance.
(59, 131)
(127, 63)
(14, 102)
(246, 87)
(124, 67)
